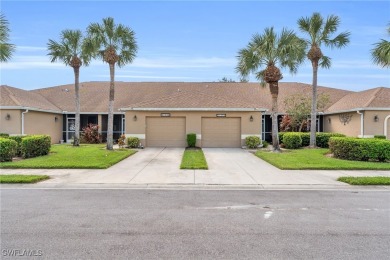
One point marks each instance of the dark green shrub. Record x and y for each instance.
(8, 149)
(357, 149)
(18, 139)
(191, 140)
(281, 136)
(322, 139)
(265, 144)
(91, 135)
(36, 145)
(133, 142)
(380, 136)
(4, 135)
(252, 142)
(292, 140)
(305, 138)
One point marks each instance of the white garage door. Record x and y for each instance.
(221, 132)
(166, 132)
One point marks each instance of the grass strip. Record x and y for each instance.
(376, 180)
(193, 159)
(91, 156)
(315, 159)
(13, 178)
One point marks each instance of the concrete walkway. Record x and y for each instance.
(160, 166)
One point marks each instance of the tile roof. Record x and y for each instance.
(94, 96)
(372, 98)
(15, 97)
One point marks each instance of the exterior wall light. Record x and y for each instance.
(251, 119)
(55, 119)
(329, 120)
(8, 117)
(135, 118)
(376, 118)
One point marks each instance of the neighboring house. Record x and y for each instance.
(161, 114)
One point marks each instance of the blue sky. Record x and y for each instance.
(190, 40)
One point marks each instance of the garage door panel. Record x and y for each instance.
(165, 132)
(221, 132)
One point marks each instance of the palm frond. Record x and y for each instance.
(325, 62)
(6, 48)
(339, 41)
(381, 54)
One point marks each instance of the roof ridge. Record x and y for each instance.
(12, 95)
(373, 97)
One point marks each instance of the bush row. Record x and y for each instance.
(25, 146)
(322, 139)
(356, 149)
(133, 142)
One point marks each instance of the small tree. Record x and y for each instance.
(298, 108)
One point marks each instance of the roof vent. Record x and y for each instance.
(66, 90)
(178, 90)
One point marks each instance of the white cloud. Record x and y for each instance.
(30, 62)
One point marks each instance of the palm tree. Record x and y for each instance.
(117, 45)
(381, 53)
(262, 56)
(320, 32)
(74, 51)
(6, 48)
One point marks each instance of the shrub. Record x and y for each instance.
(35, 145)
(265, 144)
(191, 140)
(133, 142)
(281, 137)
(4, 135)
(8, 149)
(90, 134)
(356, 149)
(252, 142)
(18, 140)
(380, 136)
(292, 140)
(322, 139)
(122, 141)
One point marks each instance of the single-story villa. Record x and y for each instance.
(162, 113)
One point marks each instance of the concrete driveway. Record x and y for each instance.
(161, 166)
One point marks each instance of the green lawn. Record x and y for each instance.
(91, 156)
(193, 159)
(315, 159)
(13, 178)
(377, 180)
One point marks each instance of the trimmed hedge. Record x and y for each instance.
(133, 142)
(18, 139)
(357, 149)
(380, 136)
(8, 149)
(322, 139)
(252, 142)
(36, 145)
(292, 140)
(4, 135)
(191, 140)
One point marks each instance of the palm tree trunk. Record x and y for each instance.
(274, 115)
(76, 141)
(313, 123)
(110, 141)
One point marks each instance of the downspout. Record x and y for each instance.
(361, 123)
(25, 112)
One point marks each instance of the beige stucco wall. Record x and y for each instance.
(375, 128)
(193, 122)
(335, 126)
(12, 126)
(43, 123)
(370, 127)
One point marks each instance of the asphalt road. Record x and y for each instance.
(158, 224)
